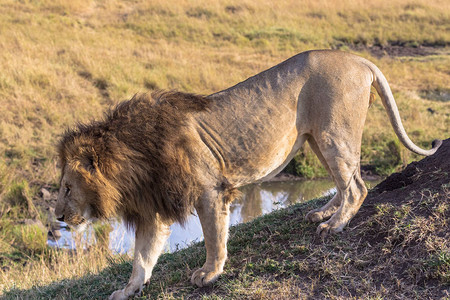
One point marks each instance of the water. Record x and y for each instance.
(257, 200)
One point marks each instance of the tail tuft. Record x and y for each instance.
(436, 144)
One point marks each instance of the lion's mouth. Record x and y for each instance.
(75, 220)
(79, 225)
(81, 221)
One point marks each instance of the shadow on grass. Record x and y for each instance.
(279, 256)
(170, 269)
(90, 286)
(173, 270)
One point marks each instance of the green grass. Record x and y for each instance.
(398, 248)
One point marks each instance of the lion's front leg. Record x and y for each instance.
(150, 240)
(214, 217)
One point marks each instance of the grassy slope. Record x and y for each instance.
(396, 247)
(64, 62)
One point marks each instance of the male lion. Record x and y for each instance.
(153, 159)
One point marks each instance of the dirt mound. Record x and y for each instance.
(405, 221)
(431, 173)
(420, 179)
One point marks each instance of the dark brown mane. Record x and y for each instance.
(136, 162)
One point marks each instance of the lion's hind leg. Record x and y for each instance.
(342, 158)
(324, 212)
(213, 212)
(320, 214)
(351, 190)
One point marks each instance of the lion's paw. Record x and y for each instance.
(202, 277)
(123, 294)
(327, 228)
(314, 216)
(118, 295)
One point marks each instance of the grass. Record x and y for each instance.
(398, 248)
(64, 62)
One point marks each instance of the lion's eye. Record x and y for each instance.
(67, 190)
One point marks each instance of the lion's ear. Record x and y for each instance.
(89, 160)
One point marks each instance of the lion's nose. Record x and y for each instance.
(61, 219)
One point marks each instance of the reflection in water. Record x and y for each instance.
(258, 199)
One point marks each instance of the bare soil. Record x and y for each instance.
(394, 50)
(431, 173)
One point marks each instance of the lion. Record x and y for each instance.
(156, 158)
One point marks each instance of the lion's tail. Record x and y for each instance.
(381, 85)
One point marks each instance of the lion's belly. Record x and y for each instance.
(280, 162)
(264, 162)
(251, 150)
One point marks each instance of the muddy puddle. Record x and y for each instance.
(257, 200)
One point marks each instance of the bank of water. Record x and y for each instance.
(257, 200)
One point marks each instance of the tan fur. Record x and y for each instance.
(154, 158)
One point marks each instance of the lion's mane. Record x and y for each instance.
(136, 161)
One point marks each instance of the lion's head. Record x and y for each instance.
(72, 206)
(85, 193)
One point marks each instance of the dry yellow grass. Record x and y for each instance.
(66, 61)
(55, 266)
